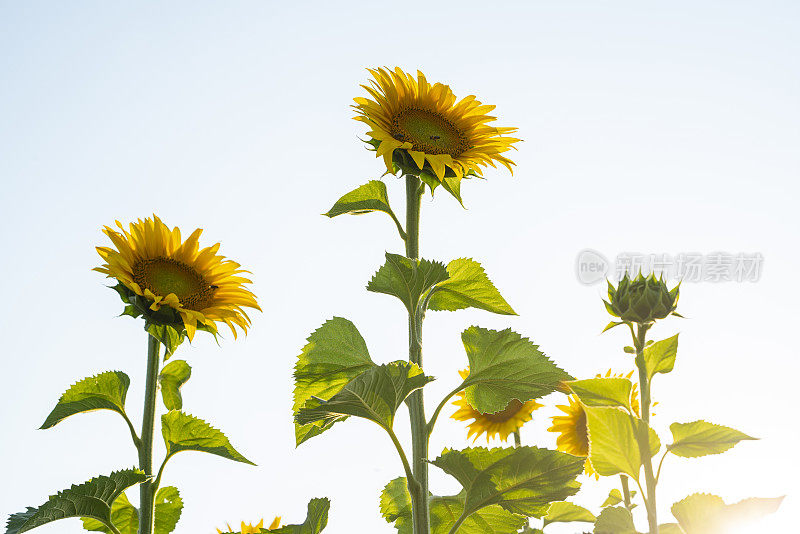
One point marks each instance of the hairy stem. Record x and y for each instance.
(147, 490)
(416, 405)
(643, 432)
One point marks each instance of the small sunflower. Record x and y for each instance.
(174, 281)
(501, 424)
(572, 428)
(251, 529)
(424, 121)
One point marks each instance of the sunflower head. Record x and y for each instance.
(254, 529)
(421, 129)
(172, 283)
(642, 300)
(501, 424)
(573, 432)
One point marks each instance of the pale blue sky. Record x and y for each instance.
(654, 127)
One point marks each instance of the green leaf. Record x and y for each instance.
(174, 375)
(375, 395)
(615, 520)
(613, 447)
(183, 432)
(407, 279)
(522, 480)
(603, 391)
(396, 508)
(92, 499)
(702, 513)
(167, 335)
(335, 354)
(567, 512)
(468, 287)
(615, 497)
(169, 506)
(660, 356)
(105, 391)
(505, 366)
(692, 440)
(367, 198)
(316, 519)
(124, 516)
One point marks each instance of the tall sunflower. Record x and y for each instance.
(424, 121)
(501, 424)
(572, 428)
(174, 281)
(254, 529)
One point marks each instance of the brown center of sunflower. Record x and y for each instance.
(502, 416)
(163, 276)
(429, 132)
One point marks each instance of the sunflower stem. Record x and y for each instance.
(147, 490)
(415, 401)
(626, 491)
(643, 432)
(517, 439)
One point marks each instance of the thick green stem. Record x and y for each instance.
(416, 405)
(147, 490)
(643, 434)
(626, 491)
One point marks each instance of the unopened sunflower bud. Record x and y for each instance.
(642, 299)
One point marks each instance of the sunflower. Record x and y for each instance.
(174, 281)
(501, 424)
(573, 432)
(250, 529)
(424, 121)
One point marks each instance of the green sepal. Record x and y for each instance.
(169, 335)
(468, 287)
(613, 447)
(407, 279)
(183, 432)
(105, 391)
(334, 355)
(522, 480)
(91, 499)
(375, 394)
(615, 520)
(567, 512)
(404, 163)
(701, 513)
(603, 391)
(125, 516)
(505, 366)
(316, 519)
(174, 375)
(700, 438)
(396, 508)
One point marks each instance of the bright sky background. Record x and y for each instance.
(653, 127)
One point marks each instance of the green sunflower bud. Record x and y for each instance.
(641, 300)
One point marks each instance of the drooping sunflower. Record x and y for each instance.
(424, 121)
(572, 427)
(174, 281)
(251, 529)
(501, 424)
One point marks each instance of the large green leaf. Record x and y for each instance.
(105, 391)
(660, 356)
(505, 366)
(567, 512)
(444, 511)
(91, 499)
(407, 279)
(702, 513)
(316, 519)
(613, 447)
(183, 432)
(603, 391)
(692, 440)
(522, 480)
(334, 355)
(366, 198)
(375, 395)
(468, 287)
(615, 520)
(174, 375)
(125, 516)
